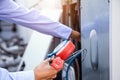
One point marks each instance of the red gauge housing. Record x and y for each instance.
(66, 51)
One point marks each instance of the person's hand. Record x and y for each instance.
(75, 35)
(44, 71)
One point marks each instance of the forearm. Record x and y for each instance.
(33, 19)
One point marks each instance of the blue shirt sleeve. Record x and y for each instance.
(10, 11)
(23, 75)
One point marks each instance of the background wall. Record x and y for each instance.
(95, 21)
(115, 40)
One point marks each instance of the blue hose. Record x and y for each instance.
(51, 54)
(71, 61)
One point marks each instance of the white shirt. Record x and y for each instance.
(23, 75)
(11, 12)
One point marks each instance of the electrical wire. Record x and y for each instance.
(72, 59)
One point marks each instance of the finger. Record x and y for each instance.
(48, 59)
(49, 79)
(54, 76)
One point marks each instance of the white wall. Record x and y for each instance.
(115, 40)
(91, 10)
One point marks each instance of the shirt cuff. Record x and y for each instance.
(23, 75)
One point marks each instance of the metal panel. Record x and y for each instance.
(95, 38)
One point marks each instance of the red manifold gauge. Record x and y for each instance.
(63, 51)
(66, 50)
